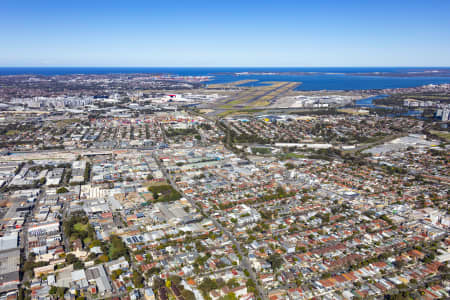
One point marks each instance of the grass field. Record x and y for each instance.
(12, 132)
(164, 193)
(442, 134)
(80, 227)
(291, 155)
(238, 112)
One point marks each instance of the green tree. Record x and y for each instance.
(176, 280)
(208, 285)
(158, 283)
(53, 290)
(71, 258)
(138, 279)
(78, 265)
(117, 248)
(188, 295)
(62, 190)
(275, 260)
(229, 296)
(60, 292)
(250, 284)
(289, 166)
(232, 283)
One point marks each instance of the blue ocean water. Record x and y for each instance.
(334, 79)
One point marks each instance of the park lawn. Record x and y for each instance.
(291, 155)
(261, 150)
(12, 132)
(164, 193)
(442, 134)
(80, 227)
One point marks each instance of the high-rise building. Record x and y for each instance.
(445, 114)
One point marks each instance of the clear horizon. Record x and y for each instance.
(200, 33)
(254, 67)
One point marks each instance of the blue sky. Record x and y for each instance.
(225, 33)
